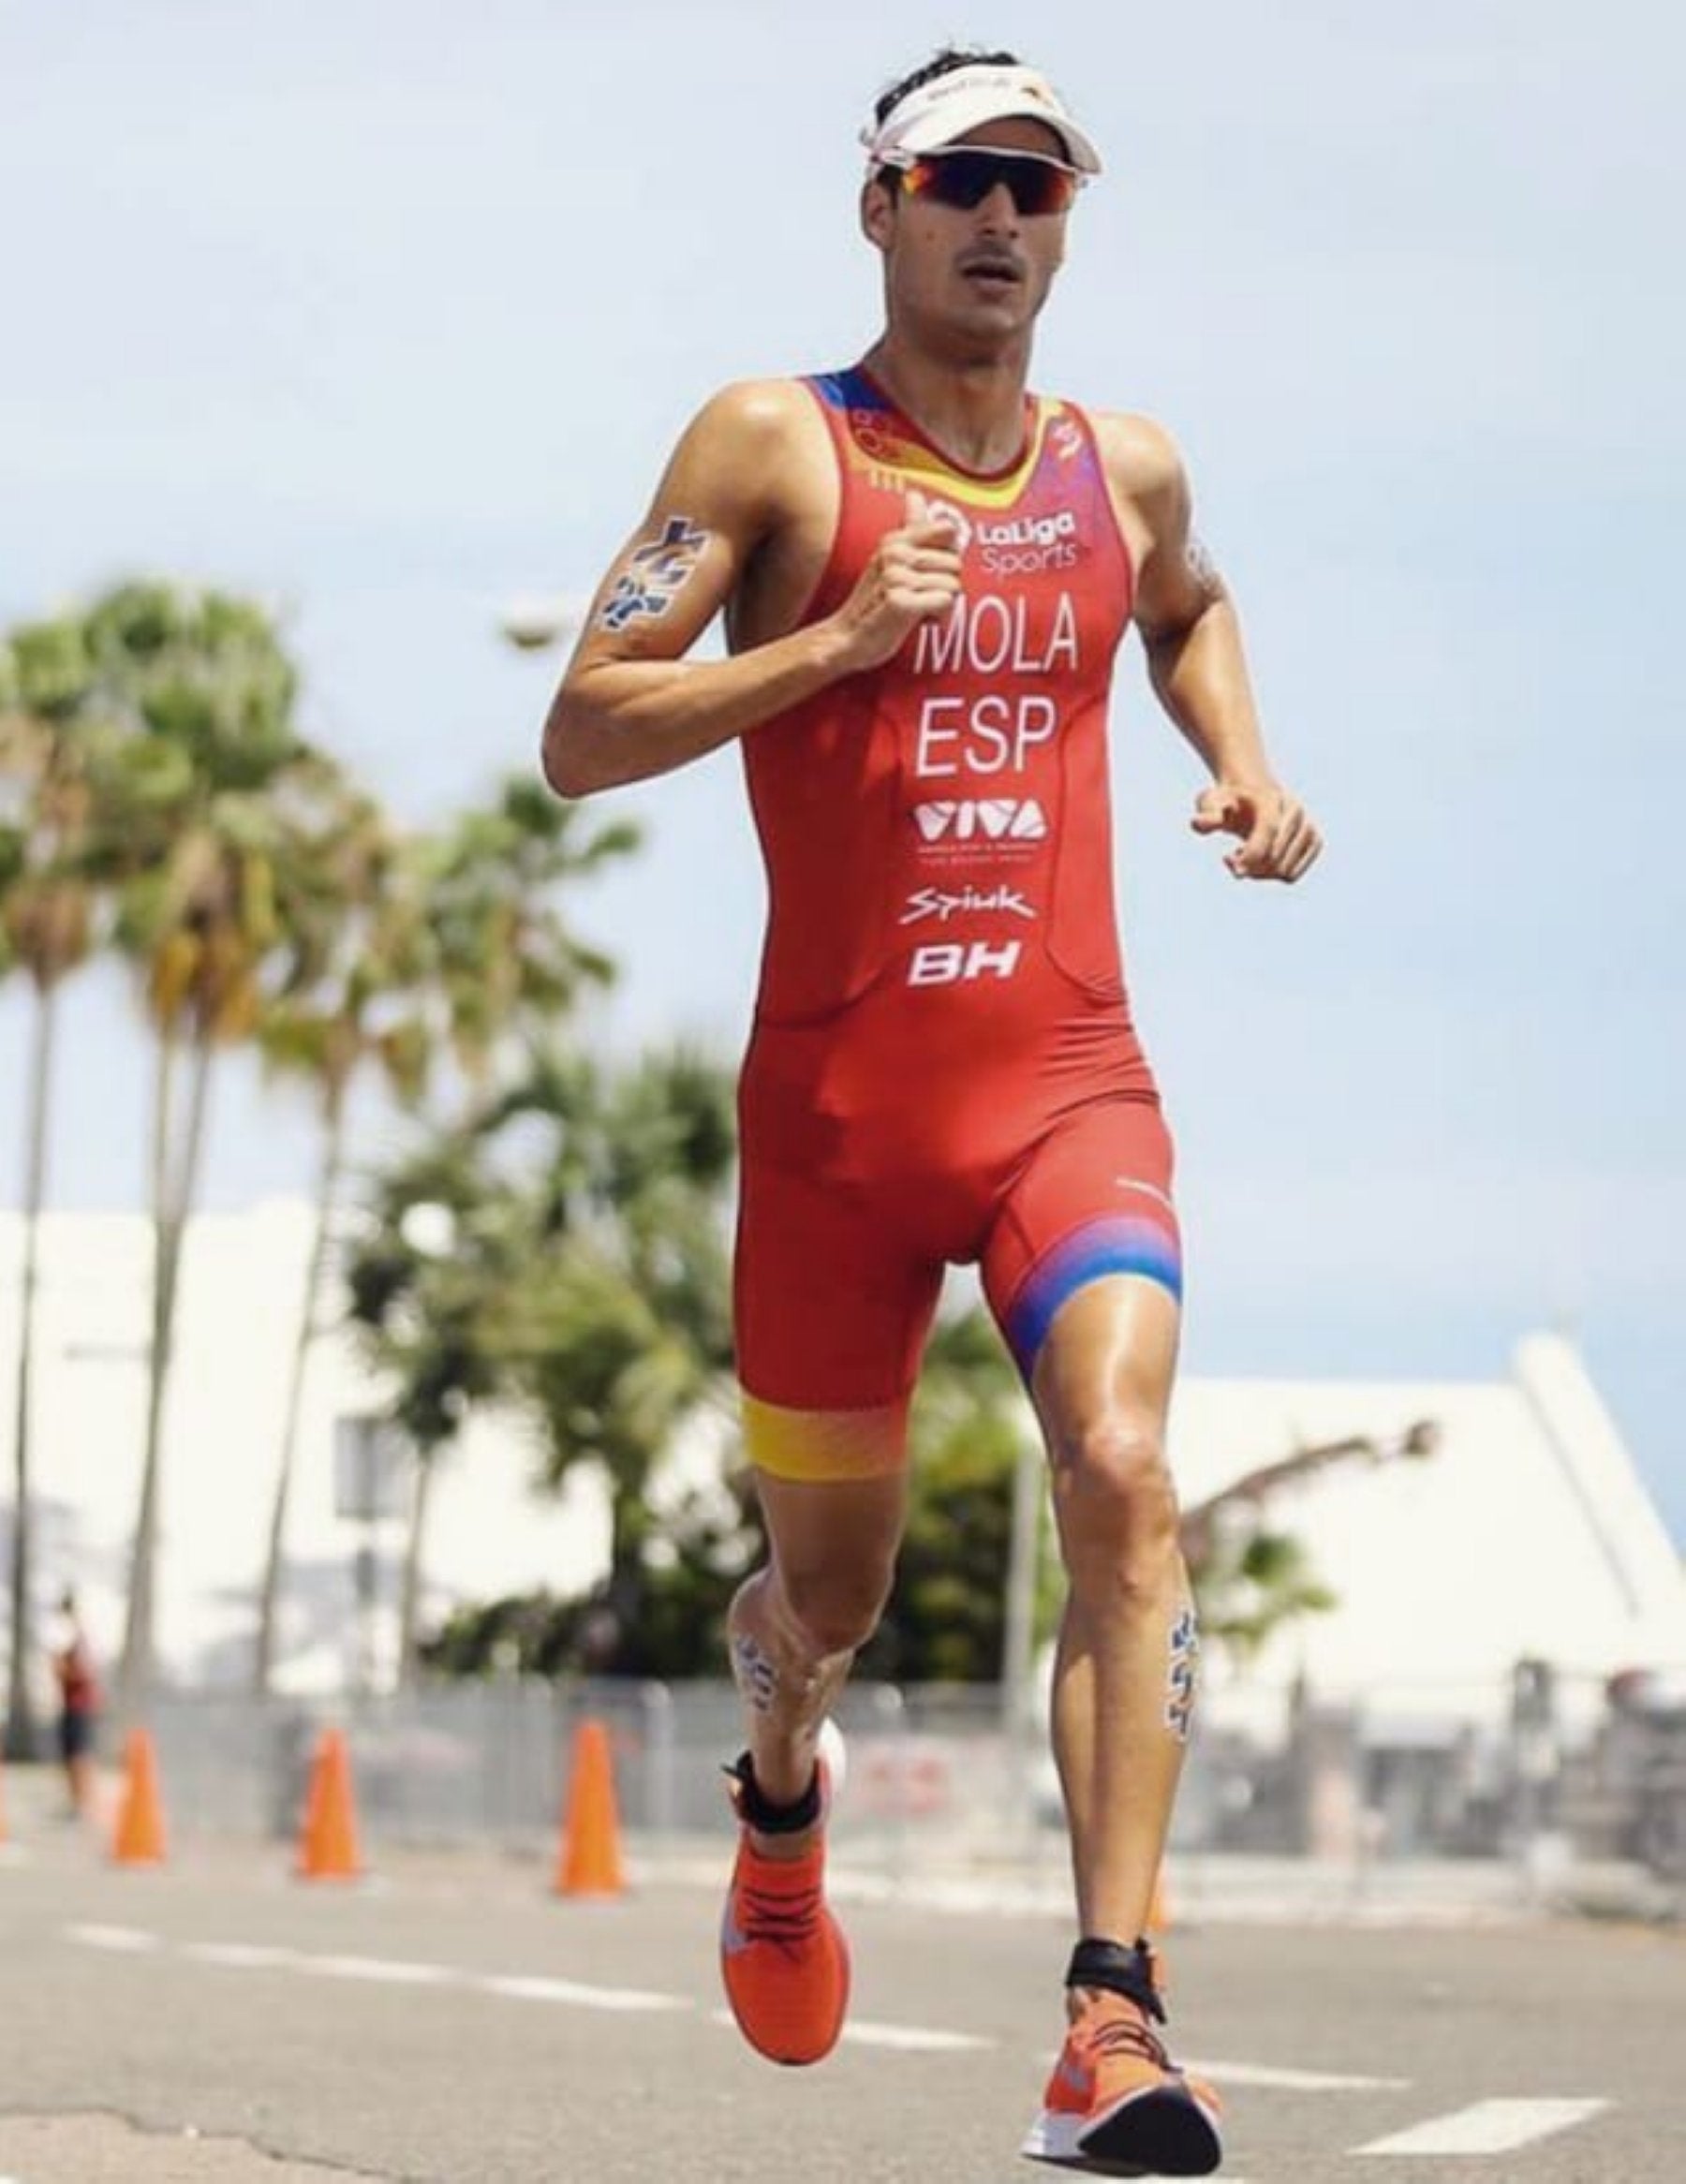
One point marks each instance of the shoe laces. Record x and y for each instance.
(1124, 2031)
(784, 1920)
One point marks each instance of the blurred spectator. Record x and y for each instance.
(80, 1701)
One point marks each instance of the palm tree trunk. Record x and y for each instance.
(269, 1599)
(409, 1605)
(173, 1197)
(20, 1716)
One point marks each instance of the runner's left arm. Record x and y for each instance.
(1197, 663)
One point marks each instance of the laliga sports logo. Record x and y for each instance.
(1043, 531)
(1030, 530)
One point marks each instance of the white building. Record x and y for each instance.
(1528, 1532)
(242, 1296)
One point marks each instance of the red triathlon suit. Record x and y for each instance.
(942, 1066)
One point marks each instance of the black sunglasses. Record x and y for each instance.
(963, 179)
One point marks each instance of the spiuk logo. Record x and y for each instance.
(944, 904)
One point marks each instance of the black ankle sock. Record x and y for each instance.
(766, 1817)
(1099, 1963)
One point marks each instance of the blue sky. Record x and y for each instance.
(389, 311)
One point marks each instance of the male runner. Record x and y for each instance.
(926, 572)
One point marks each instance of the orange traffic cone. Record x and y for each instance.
(139, 1838)
(590, 1861)
(328, 1839)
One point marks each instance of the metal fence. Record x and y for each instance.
(1594, 1769)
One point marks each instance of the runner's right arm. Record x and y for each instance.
(630, 706)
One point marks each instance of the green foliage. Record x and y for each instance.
(203, 671)
(503, 960)
(667, 1620)
(1253, 1580)
(425, 1317)
(49, 675)
(945, 1620)
(661, 1609)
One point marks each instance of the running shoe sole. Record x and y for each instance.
(1155, 2133)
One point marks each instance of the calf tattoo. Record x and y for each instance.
(654, 575)
(754, 1673)
(1183, 1675)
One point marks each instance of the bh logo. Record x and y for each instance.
(953, 963)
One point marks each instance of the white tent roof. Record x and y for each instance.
(1528, 1532)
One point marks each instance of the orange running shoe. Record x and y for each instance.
(1116, 2105)
(783, 1956)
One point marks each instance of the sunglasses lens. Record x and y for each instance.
(964, 178)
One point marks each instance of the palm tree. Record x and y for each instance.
(425, 1308)
(586, 1287)
(219, 855)
(363, 1012)
(948, 1617)
(364, 1009)
(20, 1729)
(505, 967)
(621, 1336)
(49, 867)
(506, 959)
(1250, 1579)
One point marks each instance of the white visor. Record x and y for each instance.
(933, 115)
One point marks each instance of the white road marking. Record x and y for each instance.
(570, 1990)
(906, 2039)
(576, 1993)
(122, 1941)
(1273, 2076)
(912, 2039)
(1489, 2127)
(239, 1956)
(385, 1970)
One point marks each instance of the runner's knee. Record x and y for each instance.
(837, 1610)
(1117, 1502)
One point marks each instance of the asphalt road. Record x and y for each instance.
(453, 2022)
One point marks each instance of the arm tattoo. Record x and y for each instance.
(1203, 568)
(656, 575)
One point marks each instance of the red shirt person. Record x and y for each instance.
(79, 1704)
(926, 569)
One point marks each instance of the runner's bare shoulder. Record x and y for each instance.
(766, 438)
(1150, 490)
(1143, 460)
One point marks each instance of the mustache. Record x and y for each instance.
(991, 257)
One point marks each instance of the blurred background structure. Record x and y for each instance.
(1443, 1619)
